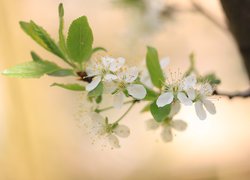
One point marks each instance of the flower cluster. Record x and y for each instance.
(188, 92)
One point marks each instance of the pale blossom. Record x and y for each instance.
(201, 101)
(126, 81)
(103, 69)
(110, 132)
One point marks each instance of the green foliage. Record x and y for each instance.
(154, 67)
(80, 40)
(96, 92)
(31, 69)
(62, 73)
(96, 49)
(159, 113)
(146, 108)
(62, 43)
(72, 87)
(38, 34)
(211, 78)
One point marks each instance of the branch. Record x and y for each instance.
(242, 94)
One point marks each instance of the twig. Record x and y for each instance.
(242, 94)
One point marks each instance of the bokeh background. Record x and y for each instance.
(40, 139)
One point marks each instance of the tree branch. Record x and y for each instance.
(242, 94)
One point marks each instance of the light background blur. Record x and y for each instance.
(39, 139)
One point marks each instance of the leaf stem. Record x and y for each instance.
(130, 107)
(111, 107)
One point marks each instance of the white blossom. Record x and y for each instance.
(103, 69)
(126, 81)
(110, 132)
(202, 94)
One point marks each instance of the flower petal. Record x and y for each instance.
(164, 99)
(209, 106)
(206, 89)
(94, 83)
(122, 131)
(109, 87)
(131, 74)
(110, 77)
(151, 124)
(137, 91)
(191, 93)
(113, 141)
(107, 61)
(184, 99)
(189, 81)
(201, 113)
(179, 125)
(166, 134)
(175, 108)
(118, 99)
(117, 64)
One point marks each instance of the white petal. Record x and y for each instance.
(166, 134)
(206, 89)
(91, 70)
(97, 118)
(164, 62)
(184, 99)
(118, 99)
(209, 106)
(122, 131)
(164, 99)
(110, 77)
(107, 61)
(201, 113)
(151, 124)
(175, 108)
(137, 91)
(109, 87)
(131, 74)
(179, 125)
(117, 64)
(191, 93)
(189, 81)
(94, 83)
(114, 141)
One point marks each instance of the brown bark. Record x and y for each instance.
(238, 15)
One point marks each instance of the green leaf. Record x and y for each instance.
(210, 78)
(35, 57)
(62, 42)
(62, 73)
(38, 34)
(97, 91)
(154, 67)
(31, 69)
(151, 95)
(96, 49)
(72, 87)
(159, 113)
(98, 100)
(80, 40)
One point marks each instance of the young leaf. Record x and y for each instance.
(35, 57)
(159, 113)
(72, 87)
(154, 67)
(62, 73)
(96, 49)
(41, 37)
(62, 43)
(31, 69)
(97, 91)
(80, 40)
